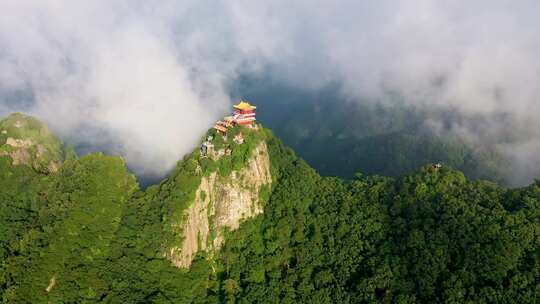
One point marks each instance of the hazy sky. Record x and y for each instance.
(151, 76)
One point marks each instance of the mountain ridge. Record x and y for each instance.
(88, 233)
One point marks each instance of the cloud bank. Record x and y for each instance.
(153, 76)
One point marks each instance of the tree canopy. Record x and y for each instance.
(88, 234)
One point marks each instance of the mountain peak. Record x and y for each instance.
(28, 141)
(223, 183)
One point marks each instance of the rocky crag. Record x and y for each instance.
(27, 141)
(222, 201)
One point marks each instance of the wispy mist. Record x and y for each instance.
(153, 76)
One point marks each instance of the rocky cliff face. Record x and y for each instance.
(221, 203)
(28, 142)
(28, 152)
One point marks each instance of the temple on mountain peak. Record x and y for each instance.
(244, 113)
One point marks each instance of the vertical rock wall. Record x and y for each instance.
(222, 202)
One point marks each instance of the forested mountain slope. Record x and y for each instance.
(264, 227)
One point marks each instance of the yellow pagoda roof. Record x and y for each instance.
(244, 105)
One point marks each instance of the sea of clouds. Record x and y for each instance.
(146, 79)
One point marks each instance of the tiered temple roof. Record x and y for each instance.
(244, 106)
(244, 114)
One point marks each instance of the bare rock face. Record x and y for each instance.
(21, 153)
(19, 143)
(27, 141)
(222, 203)
(52, 284)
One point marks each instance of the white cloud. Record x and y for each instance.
(153, 74)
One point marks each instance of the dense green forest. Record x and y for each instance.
(87, 233)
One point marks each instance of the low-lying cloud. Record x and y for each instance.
(153, 76)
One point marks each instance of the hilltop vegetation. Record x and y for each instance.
(430, 237)
(86, 233)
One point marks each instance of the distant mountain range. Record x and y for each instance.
(340, 137)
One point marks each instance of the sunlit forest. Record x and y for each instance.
(87, 233)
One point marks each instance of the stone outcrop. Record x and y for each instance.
(220, 203)
(19, 143)
(28, 141)
(21, 153)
